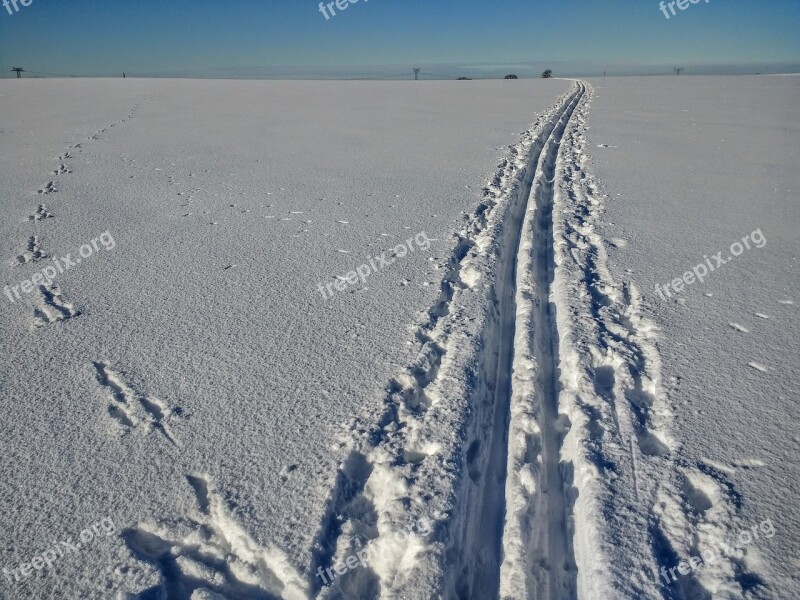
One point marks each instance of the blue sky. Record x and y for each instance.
(292, 38)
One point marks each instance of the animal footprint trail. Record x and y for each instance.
(210, 554)
(45, 314)
(63, 168)
(51, 306)
(130, 408)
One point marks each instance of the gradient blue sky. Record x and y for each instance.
(291, 38)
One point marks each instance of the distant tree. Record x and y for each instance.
(511, 76)
(464, 79)
(547, 74)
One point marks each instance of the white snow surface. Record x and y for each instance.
(691, 166)
(509, 409)
(216, 315)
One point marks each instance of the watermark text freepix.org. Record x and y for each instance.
(324, 7)
(699, 272)
(59, 550)
(682, 4)
(363, 556)
(46, 275)
(9, 3)
(375, 263)
(745, 538)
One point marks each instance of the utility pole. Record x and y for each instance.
(416, 73)
(19, 71)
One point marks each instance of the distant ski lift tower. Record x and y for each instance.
(19, 71)
(416, 73)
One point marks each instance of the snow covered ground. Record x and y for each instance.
(312, 341)
(692, 166)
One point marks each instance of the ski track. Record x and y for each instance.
(439, 452)
(532, 430)
(537, 549)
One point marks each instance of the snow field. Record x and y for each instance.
(253, 440)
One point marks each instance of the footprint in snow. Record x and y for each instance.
(286, 471)
(50, 188)
(41, 213)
